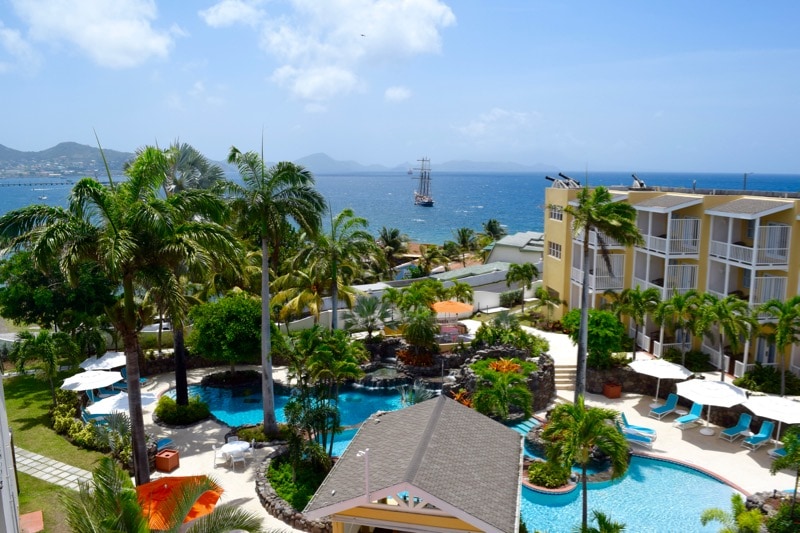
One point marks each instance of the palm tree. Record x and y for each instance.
(597, 211)
(604, 524)
(739, 520)
(339, 254)
(465, 240)
(494, 230)
(110, 503)
(393, 243)
(573, 432)
(269, 198)
(420, 329)
(46, 348)
(544, 299)
(189, 169)
(497, 392)
(368, 314)
(733, 320)
(681, 313)
(786, 320)
(298, 291)
(432, 256)
(635, 304)
(127, 232)
(523, 274)
(791, 460)
(460, 292)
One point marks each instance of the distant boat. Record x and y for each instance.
(410, 172)
(422, 196)
(43, 198)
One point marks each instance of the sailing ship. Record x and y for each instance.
(422, 196)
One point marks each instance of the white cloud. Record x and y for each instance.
(397, 94)
(230, 12)
(114, 34)
(19, 53)
(325, 46)
(495, 121)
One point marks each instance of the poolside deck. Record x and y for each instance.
(748, 470)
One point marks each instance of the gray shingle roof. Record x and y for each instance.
(668, 202)
(442, 448)
(523, 238)
(750, 207)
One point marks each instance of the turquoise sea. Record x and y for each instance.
(463, 199)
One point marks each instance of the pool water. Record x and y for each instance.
(653, 497)
(243, 406)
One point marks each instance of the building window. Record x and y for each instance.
(554, 249)
(751, 229)
(556, 212)
(746, 278)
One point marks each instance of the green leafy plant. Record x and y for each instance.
(768, 379)
(295, 485)
(511, 298)
(548, 474)
(169, 412)
(605, 334)
(695, 360)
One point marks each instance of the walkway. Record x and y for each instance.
(50, 470)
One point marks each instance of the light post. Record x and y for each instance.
(744, 182)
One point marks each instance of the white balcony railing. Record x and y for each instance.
(683, 239)
(603, 279)
(772, 250)
(608, 241)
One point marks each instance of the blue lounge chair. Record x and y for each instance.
(777, 452)
(764, 434)
(687, 421)
(733, 433)
(636, 438)
(650, 433)
(669, 406)
(97, 419)
(164, 444)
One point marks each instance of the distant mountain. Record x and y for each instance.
(73, 159)
(324, 164)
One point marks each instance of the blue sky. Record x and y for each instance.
(708, 86)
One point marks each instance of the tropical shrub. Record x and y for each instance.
(227, 330)
(296, 486)
(516, 365)
(782, 521)
(169, 412)
(257, 433)
(511, 298)
(605, 336)
(767, 379)
(548, 474)
(410, 358)
(491, 335)
(501, 386)
(696, 361)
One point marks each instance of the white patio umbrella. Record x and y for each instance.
(118, 403)
(711, 393)
(91, 379)
(776, 408)
(107, 361)
(661, 369)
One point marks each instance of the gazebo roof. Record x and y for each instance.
(459, 461)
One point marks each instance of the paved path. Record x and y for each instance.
(50, 470)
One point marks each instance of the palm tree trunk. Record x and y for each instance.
(334, 298)
(722, 357)
(585, 497)
(267, 386)
(181, 382)
(635, 337)
(583, 331)
(141, 463)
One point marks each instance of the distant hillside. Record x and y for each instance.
(73, 159)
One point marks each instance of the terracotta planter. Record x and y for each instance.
(612, 390)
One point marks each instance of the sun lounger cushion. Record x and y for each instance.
(687, 421)
(764, 434)
(733, 433)
(632, 428)
(669, 406)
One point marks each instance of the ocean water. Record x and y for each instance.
(463, 199)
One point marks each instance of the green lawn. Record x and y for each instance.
(38, 495)
(28, 401)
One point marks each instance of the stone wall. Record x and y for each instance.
(280, 508)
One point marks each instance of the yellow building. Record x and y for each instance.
(713, 241)
(434, 467)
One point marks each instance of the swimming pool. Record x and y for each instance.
(243, 406)
(655, 496)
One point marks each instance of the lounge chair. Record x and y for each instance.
(650, 433)
(165, 444)
(669, 406)
(776, 453)
(764, 434)
(96, 419)
(687, 421)
(733, 433)
(636, 438)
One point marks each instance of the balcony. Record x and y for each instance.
(609, 242)
(603, 279)
(683, 239)
(680, 279)
(773, 253)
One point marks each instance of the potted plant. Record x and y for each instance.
(612, 389)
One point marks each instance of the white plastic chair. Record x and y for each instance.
(251, 451)
(218, 456)
(232, 438)
(237, 456)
